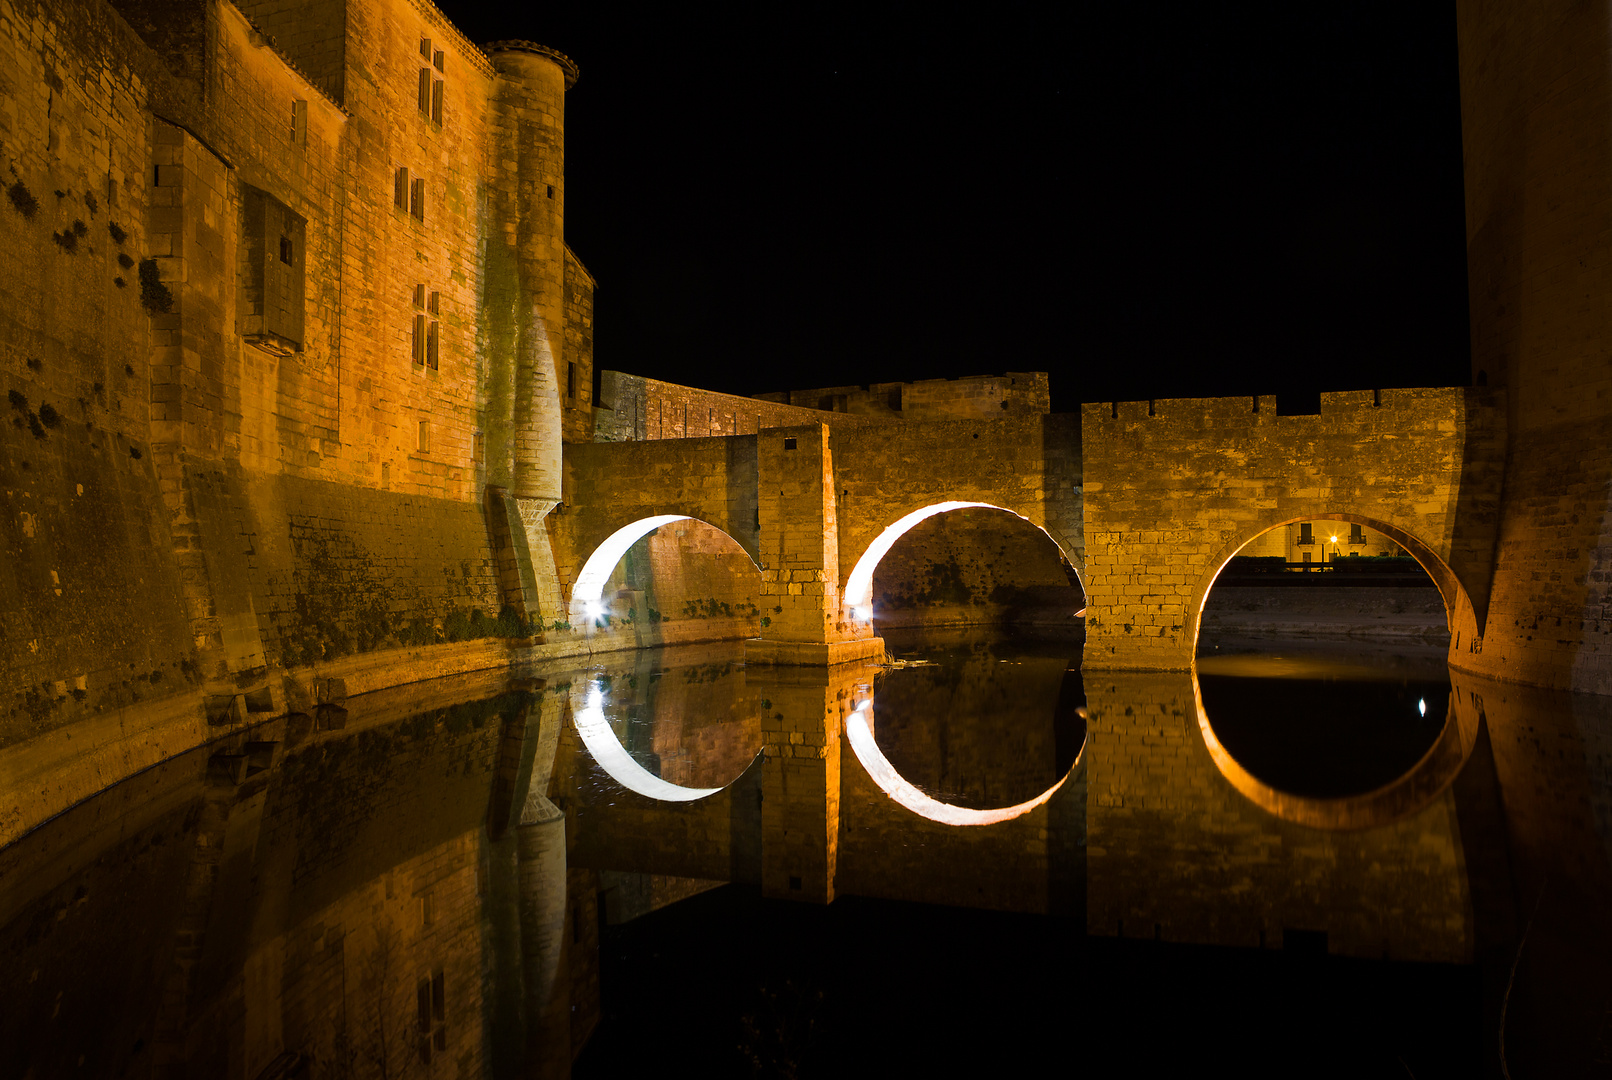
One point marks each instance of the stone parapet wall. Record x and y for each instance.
(982, 397)
(635, 409)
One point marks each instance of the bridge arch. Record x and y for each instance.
(587, 594)
(1458, 608)
(858, 592)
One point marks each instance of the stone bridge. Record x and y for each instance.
(809, 505)
(1147, 501)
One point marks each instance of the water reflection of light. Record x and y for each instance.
(613, 758)
(892, 784)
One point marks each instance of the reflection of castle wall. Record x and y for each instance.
(1173, 846)
(972, 566)
(974, 732)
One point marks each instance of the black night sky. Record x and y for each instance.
(1145, 202)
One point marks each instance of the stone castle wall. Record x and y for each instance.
(635, 409)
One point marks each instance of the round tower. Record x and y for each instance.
(526, 256)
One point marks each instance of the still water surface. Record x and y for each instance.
(1167, 862)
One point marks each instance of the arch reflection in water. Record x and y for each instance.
(971, 730)
(1334, 740)
(613, 758)
(673, 725)
(891, 783)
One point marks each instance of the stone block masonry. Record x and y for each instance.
(1174, 488)
(633, 408)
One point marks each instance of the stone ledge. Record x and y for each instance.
(812, 653)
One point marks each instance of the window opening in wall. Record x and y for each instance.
(1306, 536)
(427, 912)
(419, 340)
(1356, 536)
(299, 123)
(431, 1012)
(417, 199)
(419, 296)
(570, 380)
(789, 444)
(436, 102)
(425, 90)
(551, 191)
(425, 437)
(437, 59)
(434, 303)
(287, 253)
(431, 345)
(400, 188)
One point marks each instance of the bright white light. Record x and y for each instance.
(859, 586)
(891, 783)
(862, 614)
(607, 750)
(585, 595)
(1334, 539)
(1421, 706)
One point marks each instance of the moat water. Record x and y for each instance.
(1312, 860)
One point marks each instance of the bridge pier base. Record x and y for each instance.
(813, 653)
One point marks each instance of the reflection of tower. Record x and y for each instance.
(526, 259)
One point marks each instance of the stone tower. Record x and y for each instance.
(1536, 107)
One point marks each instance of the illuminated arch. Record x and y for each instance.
(859, 584)
(1459, 612)
(613, 758)
(587, 594)
(1423, 781)
(884, 774)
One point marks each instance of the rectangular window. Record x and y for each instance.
(425, 91)
(299, 123)
(1305, 536)
(431, 346)
(419, 339)
(273, 251)
(570, 380)
(436, 102)
(1355, 535)
(434, 304)
(419, 296)
(425, 48)
(400, 188)
(417, 199)
(438, 59)
(425, 437)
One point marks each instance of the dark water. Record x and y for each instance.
(365, 900)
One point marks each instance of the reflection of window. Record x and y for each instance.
(431, 1008)
(1355, 535)
(1305, 537)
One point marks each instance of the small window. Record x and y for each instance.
(436, 102)
(419, 296)
(570, 380)
(438, 59)
(425, 48)
(1356, 536)
(427, 910)
(425, 437)
(431, 346)
(434, 304)
(299, 123)
(287, 251)
(419, 339)
(1306, 536)
(789, 444)
(425, 91)
(400, 188)
(551, 191)
(417, 199)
